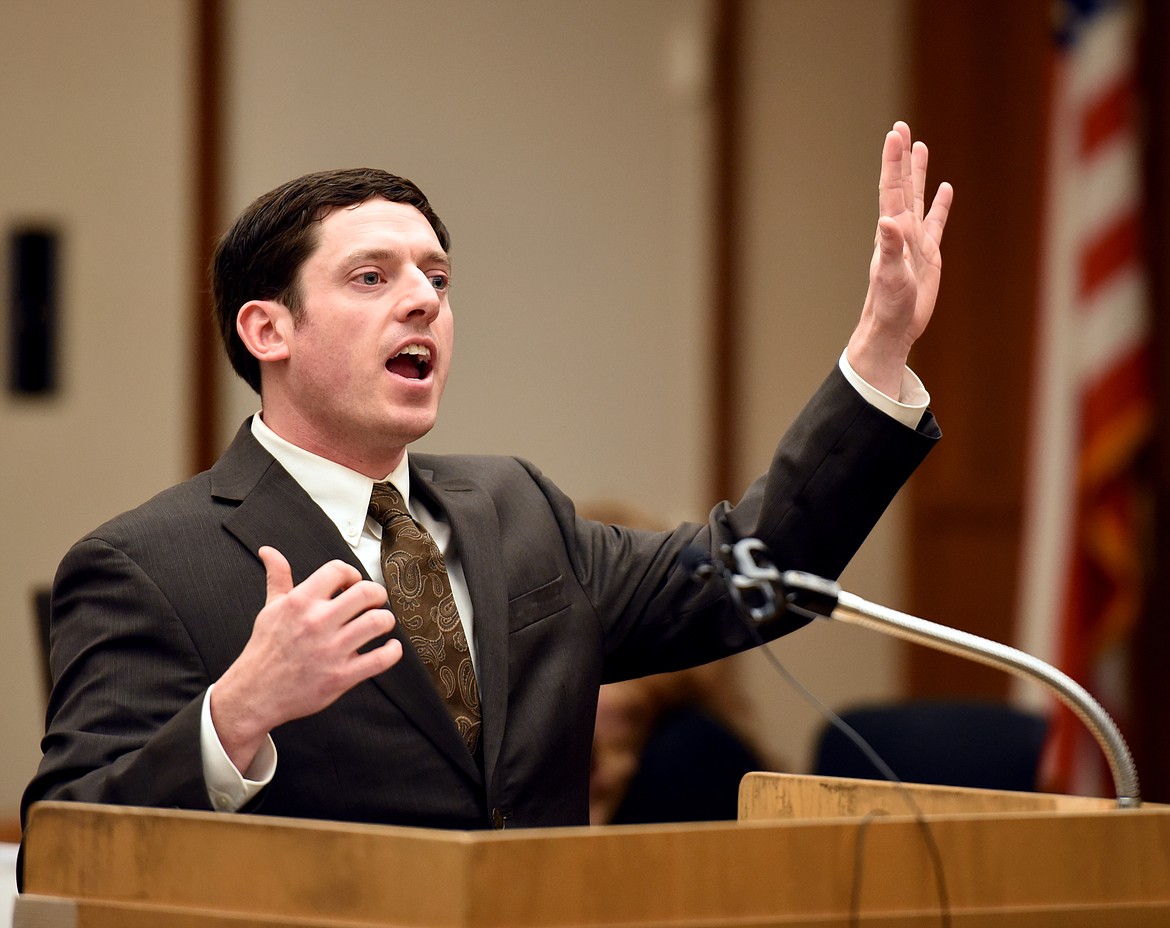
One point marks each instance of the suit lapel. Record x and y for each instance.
(475, 530)
(274, 510)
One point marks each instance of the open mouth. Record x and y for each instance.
(413, 362)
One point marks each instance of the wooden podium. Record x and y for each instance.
(804, 850)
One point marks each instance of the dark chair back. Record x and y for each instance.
(952, 743)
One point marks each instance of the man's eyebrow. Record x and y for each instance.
(437, 256)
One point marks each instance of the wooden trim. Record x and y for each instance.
(207, 176)
(979, 90)
(1151, 685)
(726, 294)
(10, 831)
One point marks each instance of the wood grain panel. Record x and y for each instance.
(979, 79)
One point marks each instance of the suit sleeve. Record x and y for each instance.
(834, 473)
(125, 708)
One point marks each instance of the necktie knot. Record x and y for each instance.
(386, 504)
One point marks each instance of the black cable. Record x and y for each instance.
(859, 867)
(852, 734)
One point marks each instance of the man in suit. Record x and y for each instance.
(228, 644)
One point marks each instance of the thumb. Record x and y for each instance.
(279, 574)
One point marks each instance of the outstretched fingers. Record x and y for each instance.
(940, 209)
(903, 193)
(896, 189)
(906, 265)
(895, 192)
(919, 158)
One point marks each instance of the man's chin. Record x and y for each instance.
(410, 428)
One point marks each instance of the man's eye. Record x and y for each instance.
(440, 281)
(370, 278)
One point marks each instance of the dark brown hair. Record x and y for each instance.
(260, 256)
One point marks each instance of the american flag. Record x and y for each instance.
(1084, 553)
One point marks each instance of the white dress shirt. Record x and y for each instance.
(908, 410)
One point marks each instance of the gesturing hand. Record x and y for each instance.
(302, 654)
(906, 266)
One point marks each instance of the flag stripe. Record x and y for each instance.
(1087, 504)
(1106, 253)
(1108, 115)
(1116, 416)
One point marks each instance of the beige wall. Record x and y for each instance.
(563, 143)
(94, 118)
(825, 80)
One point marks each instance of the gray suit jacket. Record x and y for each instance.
(152, 607)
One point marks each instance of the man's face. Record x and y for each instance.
(370, 353)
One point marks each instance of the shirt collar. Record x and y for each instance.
(342, 494)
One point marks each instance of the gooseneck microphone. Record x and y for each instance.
(762, 594)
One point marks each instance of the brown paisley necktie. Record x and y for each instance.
(422, 602)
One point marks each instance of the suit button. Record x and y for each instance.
(498, 819)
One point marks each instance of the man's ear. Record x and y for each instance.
(264, 327)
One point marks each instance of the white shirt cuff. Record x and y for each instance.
(913, 398)
(227, 788)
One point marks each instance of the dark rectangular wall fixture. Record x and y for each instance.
(32, 311)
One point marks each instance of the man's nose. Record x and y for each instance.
(420, 298)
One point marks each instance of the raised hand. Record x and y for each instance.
(906, 267)
(302, 654)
